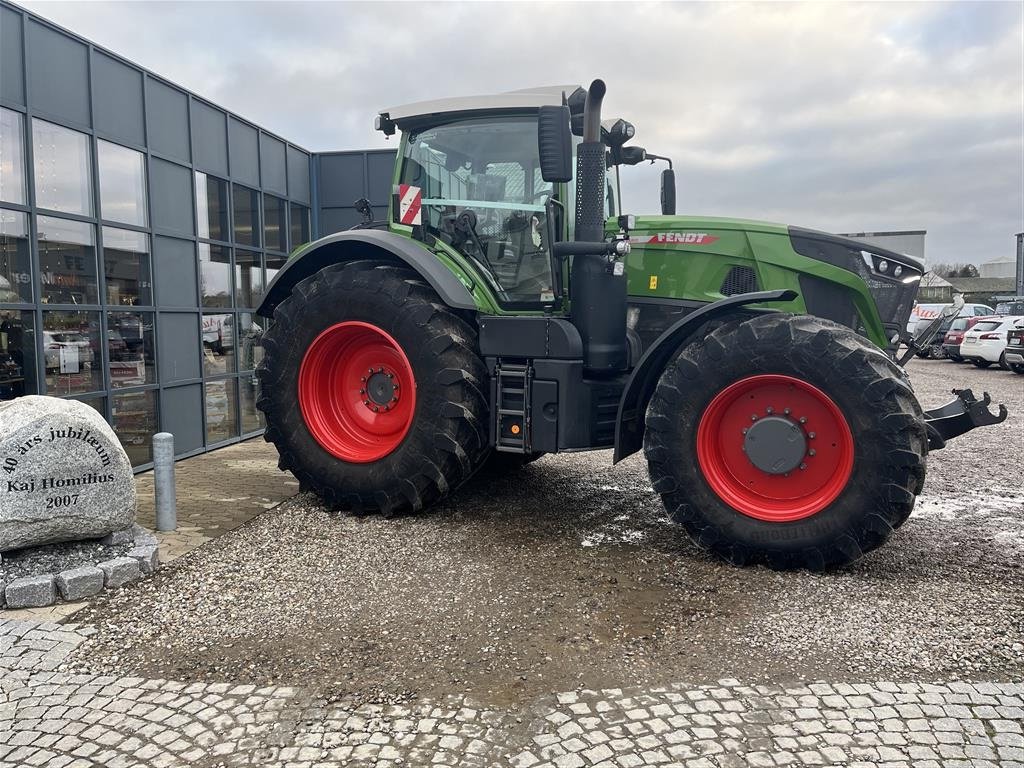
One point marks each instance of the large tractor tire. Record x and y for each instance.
(786, 440)
(373, 391)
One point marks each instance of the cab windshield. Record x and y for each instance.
(484, 195)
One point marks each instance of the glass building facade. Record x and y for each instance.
(139, 228)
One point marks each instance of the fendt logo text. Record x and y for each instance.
(687, 238)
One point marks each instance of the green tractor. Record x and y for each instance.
(507, 309)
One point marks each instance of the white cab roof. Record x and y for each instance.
(528, 98)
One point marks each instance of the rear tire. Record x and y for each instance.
(432, 447)
(981, 363)
(885, 466)
(1002, 362)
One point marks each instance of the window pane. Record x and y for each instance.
(252, 417)
(221, 410)
(134, 420)
(126, 267)
(274, 265)
(248, 278)
(63, 168)
(67, 261)
(17, 354)
(247, 205)
(15, 265)
(130, 348)
(300, 225)
(122, 184)
(218, 344)
(215, 275)
(274, 233)
(71, 348)
(98, 404)
(211, 207)
(250, 341)
(12, 157)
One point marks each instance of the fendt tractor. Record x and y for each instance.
(507, 308)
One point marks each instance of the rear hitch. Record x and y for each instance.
(959, 416)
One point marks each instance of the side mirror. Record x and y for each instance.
(554, 140)
(668, 192)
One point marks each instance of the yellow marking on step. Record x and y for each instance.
(653, 282)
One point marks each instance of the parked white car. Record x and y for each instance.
(922, 314)
(985, 343)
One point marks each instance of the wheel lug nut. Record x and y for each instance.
(362, 391)
(803, 466)
(753, 417)
(811, 435)
(811, 452)
(770, 410)
(363, 379)
(371, 370)
(376, 409)
(786, 411)
(366, 402)
(744, 430)
(803, 419)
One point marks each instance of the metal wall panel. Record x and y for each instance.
(343, 178)
(243, 141)
(117, 100)
(170, 195)
(12, 83)
(210, 139)
(167, 123)
(58, 74)
(272, 161)
(379, 172)
(181, 413)
(179, 346)
(174, 264)
(298, 174)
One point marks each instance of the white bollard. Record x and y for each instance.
(163, 482)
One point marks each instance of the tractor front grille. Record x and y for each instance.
(739, 280)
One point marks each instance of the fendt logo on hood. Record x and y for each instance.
(686, 238)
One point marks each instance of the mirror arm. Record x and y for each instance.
(652, 158)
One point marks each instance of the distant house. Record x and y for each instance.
(934, 289)
(981, 290)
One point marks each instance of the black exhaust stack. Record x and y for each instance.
(598, 294)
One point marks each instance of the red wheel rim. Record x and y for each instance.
(357, 392)
(805, 490)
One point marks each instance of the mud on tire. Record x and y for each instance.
(872, 393)
(447, 437)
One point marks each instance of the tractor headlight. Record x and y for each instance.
(886, 267)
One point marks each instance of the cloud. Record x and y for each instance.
(845, 117)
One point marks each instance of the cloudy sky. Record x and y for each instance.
(843, 117)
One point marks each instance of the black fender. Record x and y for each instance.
(629, 423)
(355, 244)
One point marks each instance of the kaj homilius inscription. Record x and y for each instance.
(63, 474)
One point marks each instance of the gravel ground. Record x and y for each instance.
(567, 574)
(54, 558)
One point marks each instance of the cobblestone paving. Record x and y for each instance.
(52, 718)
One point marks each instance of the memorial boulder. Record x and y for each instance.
(63, 474)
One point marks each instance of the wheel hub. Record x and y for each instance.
(775, 445)
(381, 389)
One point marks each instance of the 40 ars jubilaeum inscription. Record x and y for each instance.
(63, 474)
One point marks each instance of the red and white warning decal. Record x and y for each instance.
(410, 202)
(687, 238)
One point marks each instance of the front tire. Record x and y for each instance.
(839, 496)
(372, 390)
